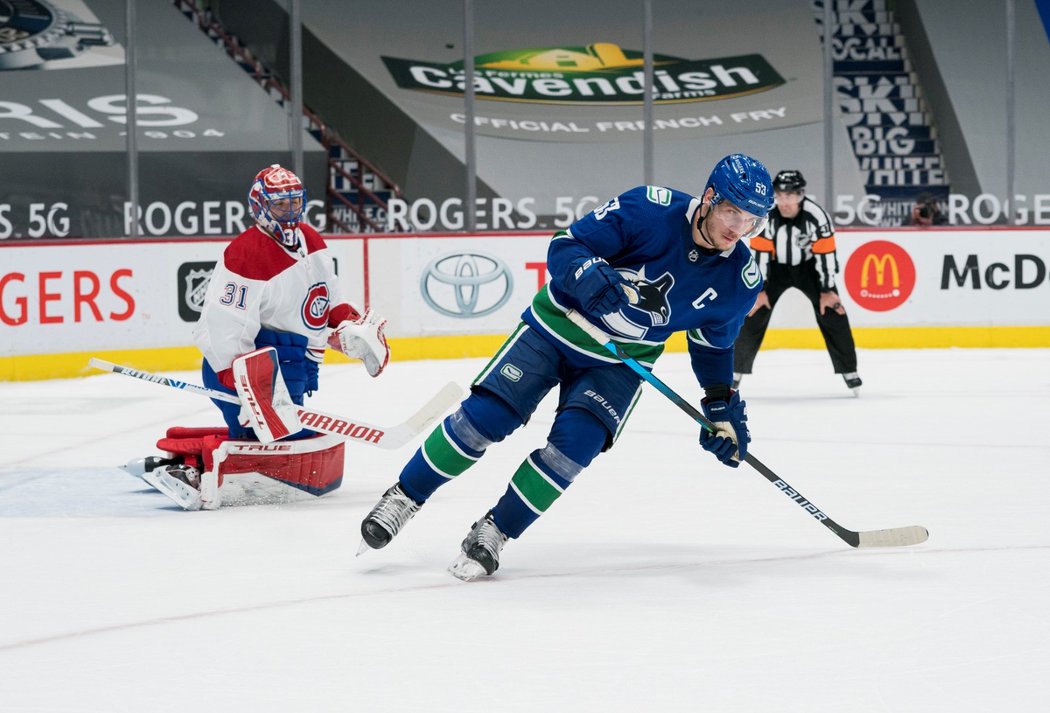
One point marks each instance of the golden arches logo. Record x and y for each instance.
(879, 263)
(880, 275)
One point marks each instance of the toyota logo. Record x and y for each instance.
(466, 285)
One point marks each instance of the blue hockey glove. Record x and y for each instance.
(291, 353)
(598, 287)
(312, 367)
(731, 434)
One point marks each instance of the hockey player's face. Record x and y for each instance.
(788, 202)
(286, 209)
(725, 224)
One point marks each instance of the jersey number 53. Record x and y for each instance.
(601, 210)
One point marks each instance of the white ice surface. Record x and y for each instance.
(661, 581)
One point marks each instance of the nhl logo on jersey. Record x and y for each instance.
(315, 306)
(192, 281)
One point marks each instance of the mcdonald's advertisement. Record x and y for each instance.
(60, 297)
(953, 277)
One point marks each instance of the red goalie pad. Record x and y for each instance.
(190, 443)
(311, 465)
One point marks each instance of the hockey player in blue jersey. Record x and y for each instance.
(650, 262)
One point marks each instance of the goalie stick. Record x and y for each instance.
(893, 537)
(388, 437)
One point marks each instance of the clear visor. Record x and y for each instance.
(788, 197)
(739, 221)
(286, 207)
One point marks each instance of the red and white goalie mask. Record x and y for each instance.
(277, 200)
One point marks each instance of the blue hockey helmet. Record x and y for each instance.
(744, 182)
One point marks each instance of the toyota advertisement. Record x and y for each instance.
(72, 298)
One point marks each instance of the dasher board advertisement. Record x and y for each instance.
(60, 297)
(76, 297)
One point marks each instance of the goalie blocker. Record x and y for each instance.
(204, 469)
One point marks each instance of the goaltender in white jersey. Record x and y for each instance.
(273, 304)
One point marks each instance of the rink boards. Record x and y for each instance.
(458, 295)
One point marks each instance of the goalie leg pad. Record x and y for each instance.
(254, 472)
(312, 465)
(189, 444)
(266, 405)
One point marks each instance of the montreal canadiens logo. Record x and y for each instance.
(315, 307)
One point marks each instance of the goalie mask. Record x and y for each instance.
(277, 200)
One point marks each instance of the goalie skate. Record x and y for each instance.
(140, 466)
(179, 482)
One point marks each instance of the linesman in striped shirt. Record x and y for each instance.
(797, 249)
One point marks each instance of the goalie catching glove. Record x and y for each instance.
(729, 440)
(363, 338)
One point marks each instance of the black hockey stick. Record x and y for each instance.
(893, 537)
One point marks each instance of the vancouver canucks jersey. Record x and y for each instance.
(646, 234)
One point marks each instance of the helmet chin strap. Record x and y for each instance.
(704, 236)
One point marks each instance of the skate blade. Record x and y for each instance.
(136, 468)
(466, 569)
(186, 497)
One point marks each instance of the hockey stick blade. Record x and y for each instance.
(386, 437)
(431, 411)
(894, 537)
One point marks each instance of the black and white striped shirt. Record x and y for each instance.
(810, 235)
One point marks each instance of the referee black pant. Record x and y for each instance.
(834, 327)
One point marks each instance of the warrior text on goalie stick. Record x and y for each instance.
(387, 437)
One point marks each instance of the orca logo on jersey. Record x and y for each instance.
(650, 308)
(315, 306)
(652, 297)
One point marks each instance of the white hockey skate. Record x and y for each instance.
(178, 481)
(480, 550)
